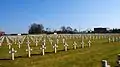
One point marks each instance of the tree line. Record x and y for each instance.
(39, 29)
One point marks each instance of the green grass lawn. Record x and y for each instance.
(81, 57)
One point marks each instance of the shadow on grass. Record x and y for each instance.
(5, 59)
(21, 56)
(35, 54)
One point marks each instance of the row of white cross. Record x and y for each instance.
(43, 47)
(19, 38)
(36, 40)
(1, 40)
(113, 39)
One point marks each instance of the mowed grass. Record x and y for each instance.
(81, 57)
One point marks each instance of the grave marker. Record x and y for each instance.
(55, 48)
(57, 41)
(89, 43)
(51, 42)
(63, 40)
(105, 63)
(28, 43)
(12, 52)
(36, 42)
(118, 61)
(65, 46)
(116, 39)
(82, 44)
(74, 45)
(19, 44)
(109, 40)
(113, 39)
(43, 49)
(9, 45)
(29, 51)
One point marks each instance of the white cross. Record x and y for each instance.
(105, 63)
(55, 48)
(57, 41)
(28, 43)
(19, 44)
(12, 51)
(65, 46)
(36, 42)
(82, 44)
(89, 43)
(109, 40)
(15, 40)
(51, 42)
(118, 60)
(116, 39)
(44, 42)
(9, 45)
(29, 51)
(63, 40)
(74, 45)
(43, 49)
(113, 39)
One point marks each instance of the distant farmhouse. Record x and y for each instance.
(100, 30)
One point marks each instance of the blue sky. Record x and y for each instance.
(17, 15)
